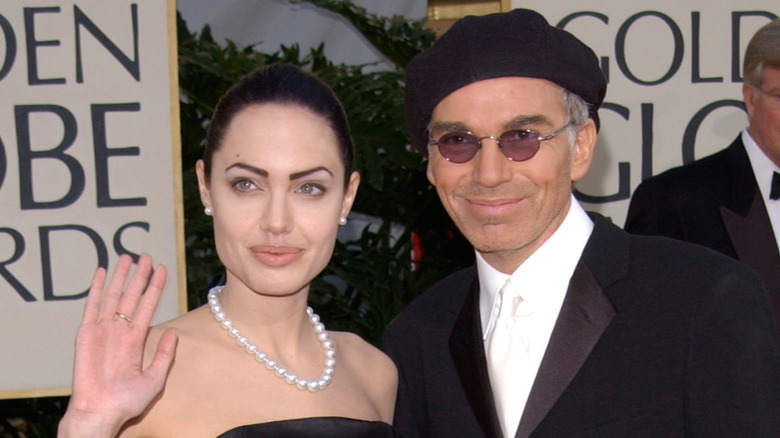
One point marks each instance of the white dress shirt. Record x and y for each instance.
(543, 279)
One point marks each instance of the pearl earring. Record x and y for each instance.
(342, 221)
(208, 211)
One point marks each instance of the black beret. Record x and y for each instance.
(516, 43)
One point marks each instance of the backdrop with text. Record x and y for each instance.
(89, 170)
(675, 84)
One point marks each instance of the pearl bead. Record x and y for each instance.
(327, 345)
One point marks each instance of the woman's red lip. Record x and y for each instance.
(275, 249)
(276, 256)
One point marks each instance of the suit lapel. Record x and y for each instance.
(468, 354)
(755, 245)
(747, 224)
(741, 180)
(585, 314)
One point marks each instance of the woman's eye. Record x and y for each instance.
(243, 184)
(311, 189)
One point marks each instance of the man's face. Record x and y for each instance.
(508, 209)
(763, 107)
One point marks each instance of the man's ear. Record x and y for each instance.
(748, 95)
(582, 152)
(428, 159)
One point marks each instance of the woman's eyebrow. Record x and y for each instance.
(264, 173)
(305, 173)
(256, 170)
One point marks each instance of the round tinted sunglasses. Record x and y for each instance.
(516, 145)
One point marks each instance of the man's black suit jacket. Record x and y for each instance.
(713, 202)
(656, 338)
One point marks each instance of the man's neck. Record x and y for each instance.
(507, 261)
(771, 152)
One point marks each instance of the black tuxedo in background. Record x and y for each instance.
(656, 338)
(713, 202)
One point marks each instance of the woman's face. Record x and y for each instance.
(277, 192)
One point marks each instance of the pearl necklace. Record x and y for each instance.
(322, 334)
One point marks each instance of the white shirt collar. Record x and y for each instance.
(761, 164)
(544, 276)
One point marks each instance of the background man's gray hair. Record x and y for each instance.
(763, 50)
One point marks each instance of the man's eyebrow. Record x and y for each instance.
(305, 173)
(520, 122)
(523, 122)
(447, 127)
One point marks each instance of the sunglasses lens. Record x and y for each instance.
(519, 145)
(458, 147)
(516, 145)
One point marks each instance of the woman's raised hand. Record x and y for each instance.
(110, 384)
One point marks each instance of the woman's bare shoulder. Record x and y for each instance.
(371, 366)
(191, 364)
(357, 346)
(189, 327)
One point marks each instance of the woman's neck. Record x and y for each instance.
(275, 321)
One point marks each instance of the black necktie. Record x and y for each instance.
(775, 193)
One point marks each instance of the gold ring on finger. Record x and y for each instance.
(125, 317)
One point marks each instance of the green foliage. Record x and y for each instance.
(35, 417)
(397, 38)
(374, 275)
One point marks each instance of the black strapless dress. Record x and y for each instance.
(319, 427)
